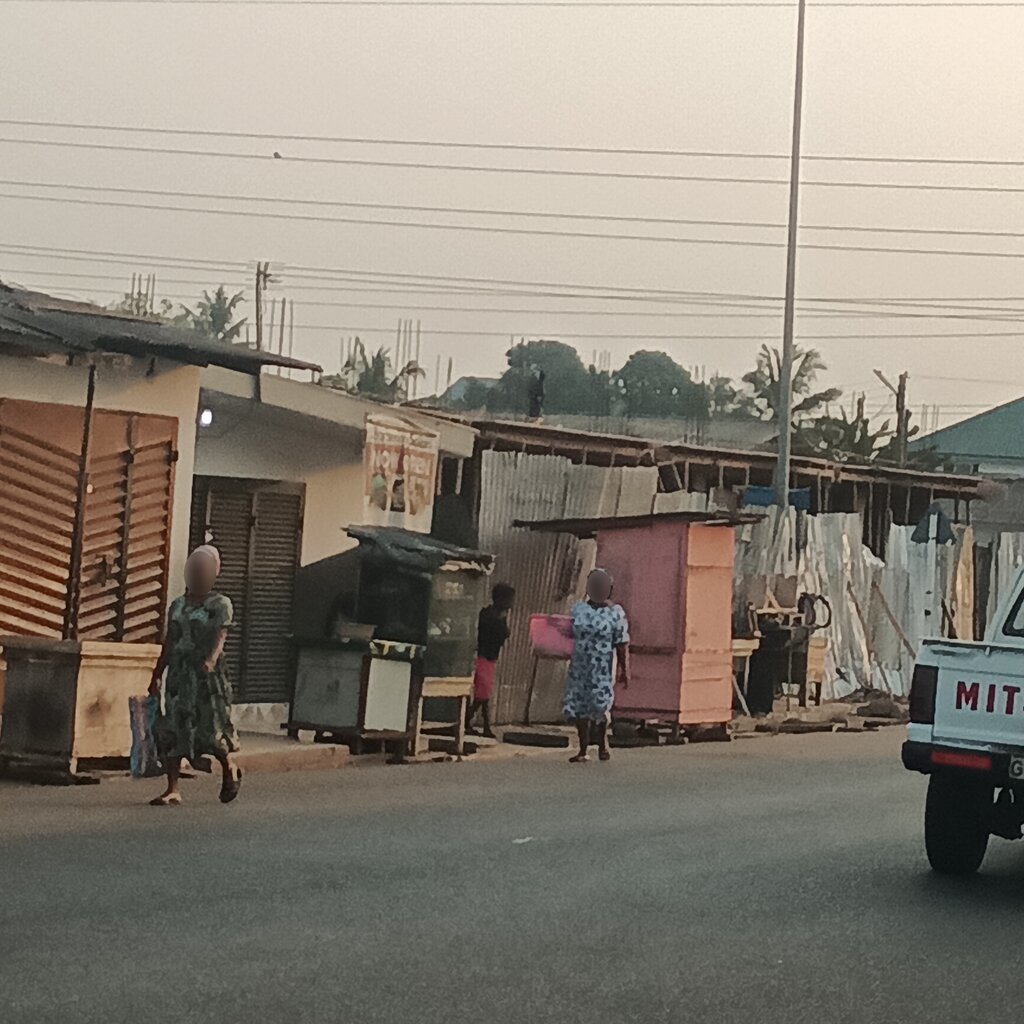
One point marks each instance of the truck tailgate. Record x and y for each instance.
(980, 695)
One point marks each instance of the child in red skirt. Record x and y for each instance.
(491, 634)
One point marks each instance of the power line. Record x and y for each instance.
(476, 168)
(561, 4)
(805, 313)
(296, 271)
(676, 336)
(1012, 314)
(494, 229)
(502, 146)
(492, 212)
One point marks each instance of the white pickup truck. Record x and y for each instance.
(966, 733)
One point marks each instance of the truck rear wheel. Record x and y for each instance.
(955, 829)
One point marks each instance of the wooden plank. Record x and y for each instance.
(892, 619)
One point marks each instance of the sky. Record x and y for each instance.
(938, 83)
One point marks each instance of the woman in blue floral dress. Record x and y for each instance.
(600, 657)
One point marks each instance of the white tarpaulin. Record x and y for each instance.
(824, 555)
(400, 473)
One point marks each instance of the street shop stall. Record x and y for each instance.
(382, 630)
(673, 576)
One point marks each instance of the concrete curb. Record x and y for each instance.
(299, 758)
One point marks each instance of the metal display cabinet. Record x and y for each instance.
(400, 597)
(357, 690)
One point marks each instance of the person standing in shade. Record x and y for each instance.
(600, 657)
(491, 634)
(196, 721)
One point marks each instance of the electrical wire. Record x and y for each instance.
(557, 4)
(411, 306)
(676, 336)
(501, 146)
(297, 271)
(477, 168)
(494, 229)
(491, 212)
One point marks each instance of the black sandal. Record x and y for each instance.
(230, 787)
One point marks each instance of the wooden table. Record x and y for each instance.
(458, 688)
(742, 649)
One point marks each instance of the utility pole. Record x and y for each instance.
(785, 411)
(261, 282)
(902, 414)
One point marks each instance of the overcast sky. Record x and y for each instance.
(939, 82)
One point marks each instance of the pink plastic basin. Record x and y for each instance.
(551, 636)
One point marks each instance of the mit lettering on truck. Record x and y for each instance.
(997, 698)
(966, 734)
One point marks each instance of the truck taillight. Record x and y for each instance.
(922, 694)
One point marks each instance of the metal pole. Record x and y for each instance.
(73, 594)
(785, 410)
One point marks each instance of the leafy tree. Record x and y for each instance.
(214, 315)
(726, 400)
(475, 395)
(374, 376)
(654, 384)
(840, 438)
(137, 304)
(600, 392)
(567, 385)
(765, 381)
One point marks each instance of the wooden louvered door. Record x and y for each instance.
(126, 525)
(38, 490)
(147, 539)
(276, 549)
(230, 529)
(257, 527)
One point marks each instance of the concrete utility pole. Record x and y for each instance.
(902, 414)
(785, 410)
(262, 274)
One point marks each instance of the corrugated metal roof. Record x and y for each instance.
(538, 437)
(587, 527)
(994, 434)
(32, 323)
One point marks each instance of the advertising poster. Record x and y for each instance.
(400, 465)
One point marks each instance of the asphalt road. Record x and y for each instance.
(770, 880)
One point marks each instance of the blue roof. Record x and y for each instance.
(995, 434)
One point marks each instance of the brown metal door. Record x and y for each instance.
(257, 527)
(38, 489)
(126, 522)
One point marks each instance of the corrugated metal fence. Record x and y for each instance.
(545, 569)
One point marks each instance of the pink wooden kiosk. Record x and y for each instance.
(673, 576)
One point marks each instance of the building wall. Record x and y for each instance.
(262, 444)
(125, 386)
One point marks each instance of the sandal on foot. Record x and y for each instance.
(229, 789)
(579, 759)
(604, 755)
(166, 800)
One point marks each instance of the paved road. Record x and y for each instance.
(771, 880)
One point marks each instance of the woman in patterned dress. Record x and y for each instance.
(600, 656)
(196, 720)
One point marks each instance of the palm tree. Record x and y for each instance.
(374, 376)
(214, 314)
(765, 381)
(842, 438)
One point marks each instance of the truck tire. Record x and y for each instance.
(955, 831)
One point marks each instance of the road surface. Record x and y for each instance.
(773, 880)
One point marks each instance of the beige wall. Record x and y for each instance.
(263, 443)
(124, 386)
